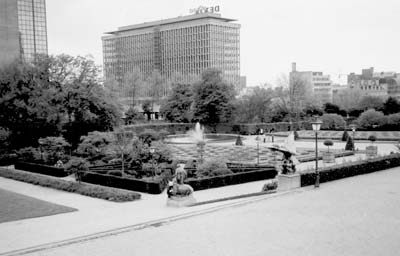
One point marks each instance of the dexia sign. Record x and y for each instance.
(203, 9)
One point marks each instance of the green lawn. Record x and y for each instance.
(14, 206)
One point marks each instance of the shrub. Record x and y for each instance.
(345, 136)
(372, 138)
(29, 154)
(210, 167)
(239, 141)
(371, 119)
(54, 149)
(328, 143)
(349, 144)
(332, 122)
(270, 186)
(94, 145)
(296, 135)
(150, 135)
(111, 194)
(77, 166)
(393, 121)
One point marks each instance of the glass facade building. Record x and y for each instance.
(185, 45)
(32, 28)
(23, 29)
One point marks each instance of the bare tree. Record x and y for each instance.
(156, 87)
(123, 145)
(132, 82)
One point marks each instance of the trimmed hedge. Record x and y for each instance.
(352, 169)
(42, 169)
(111, 194)
(232, 179)
(152, 187)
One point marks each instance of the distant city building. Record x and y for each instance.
(185, 45)
(317, 86)
(23, 30)
(370, 83)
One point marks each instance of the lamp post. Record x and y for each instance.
(353, 128)
(316, 127)
(258, 149)
(153, 169)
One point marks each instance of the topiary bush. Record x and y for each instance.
(372, 138)
(349, 144)
(345, 136)
(296, 135)
(328, 143)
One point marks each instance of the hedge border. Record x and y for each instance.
(41, 169)
(152, 187)
(352, 169)
(106, 193)
(231, 179)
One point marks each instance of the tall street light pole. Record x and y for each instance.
(316, 127)
(258, 149)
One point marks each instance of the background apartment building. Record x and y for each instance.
(314, 85)
(23, 30)
(186, 45)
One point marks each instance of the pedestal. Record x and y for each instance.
(328, 157)
(181, 201)
(288, 181)
(371, 151)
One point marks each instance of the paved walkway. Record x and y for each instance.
(354, 216)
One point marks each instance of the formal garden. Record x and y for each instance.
(61, 128)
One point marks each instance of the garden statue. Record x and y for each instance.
(179, 194)
(289, 161)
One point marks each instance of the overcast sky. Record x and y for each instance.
(335, 36)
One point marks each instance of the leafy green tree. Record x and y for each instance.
(371, 119)
(391, 106)
(177, 107)
(371, 102)
(54, 149)
(332, 122)
(94, 146)
(212, 98)
(132, 116)
(331, 108)
(56, 95)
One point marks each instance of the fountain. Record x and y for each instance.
(197, 134)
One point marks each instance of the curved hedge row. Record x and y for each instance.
(352, 169)
(111, 194)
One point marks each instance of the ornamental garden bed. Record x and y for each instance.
(311, 157)
(352, 169)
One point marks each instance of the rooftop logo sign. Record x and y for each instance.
(203, 9)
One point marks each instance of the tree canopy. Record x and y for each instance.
(56, 95)
(212, 98)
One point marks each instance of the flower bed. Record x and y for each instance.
(151, 186)
(42, 169)
(111, 194)
(352, 169)
(231, 179)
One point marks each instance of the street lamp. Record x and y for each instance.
(258, 149)
(316, 126)
(353, 128)
(153, 168)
